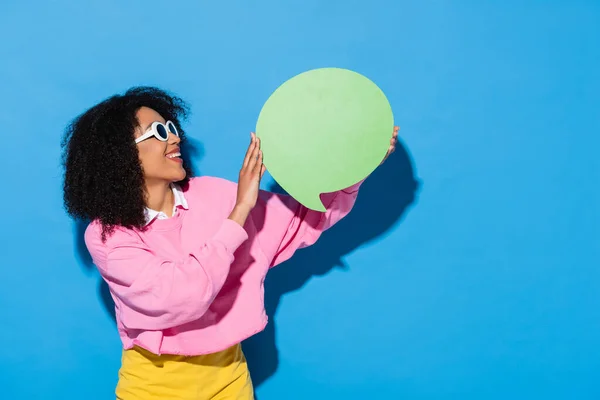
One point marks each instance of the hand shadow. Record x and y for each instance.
(382, 202)
(191, 152)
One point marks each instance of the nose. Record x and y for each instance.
(174, 139)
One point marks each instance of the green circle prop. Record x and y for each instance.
(322, 131)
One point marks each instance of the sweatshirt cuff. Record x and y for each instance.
(231, 234)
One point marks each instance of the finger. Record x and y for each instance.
(259, 163)
(258, 149)
(253, 157)
(250, 149)
(262, 171)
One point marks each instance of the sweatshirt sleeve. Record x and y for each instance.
(154, 292)
(284, 225)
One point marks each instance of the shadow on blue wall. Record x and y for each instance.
(383, 200)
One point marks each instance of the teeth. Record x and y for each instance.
(173, 155)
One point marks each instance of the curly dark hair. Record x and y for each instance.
(103, 178)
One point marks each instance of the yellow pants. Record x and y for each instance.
(219, 376)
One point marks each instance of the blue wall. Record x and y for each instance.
(470, 267)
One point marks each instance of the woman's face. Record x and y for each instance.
(161, 161)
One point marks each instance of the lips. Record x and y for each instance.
(174, 155)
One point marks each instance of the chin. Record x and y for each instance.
(180, 176)
(177, 176)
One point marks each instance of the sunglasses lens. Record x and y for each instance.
(171, 127)
(162, 131)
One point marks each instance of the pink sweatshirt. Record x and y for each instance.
(193, 284)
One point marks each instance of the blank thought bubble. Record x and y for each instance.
(322, 131)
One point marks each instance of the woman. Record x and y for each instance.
(184, 258)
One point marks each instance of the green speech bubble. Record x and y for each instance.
(322, 131)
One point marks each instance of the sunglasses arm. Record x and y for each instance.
(145, 136)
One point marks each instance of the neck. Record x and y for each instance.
(159, 197)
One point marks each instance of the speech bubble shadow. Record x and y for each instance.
(322, 131)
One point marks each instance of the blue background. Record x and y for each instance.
(470, 267)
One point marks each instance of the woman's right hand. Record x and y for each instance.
(251, 173)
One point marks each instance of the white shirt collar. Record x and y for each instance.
(179, 201)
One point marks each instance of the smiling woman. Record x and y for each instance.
(184, 258)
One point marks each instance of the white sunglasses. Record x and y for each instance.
(159, 131)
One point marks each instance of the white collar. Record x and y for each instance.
(179, 201)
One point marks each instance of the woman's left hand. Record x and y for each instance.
(393, 142)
